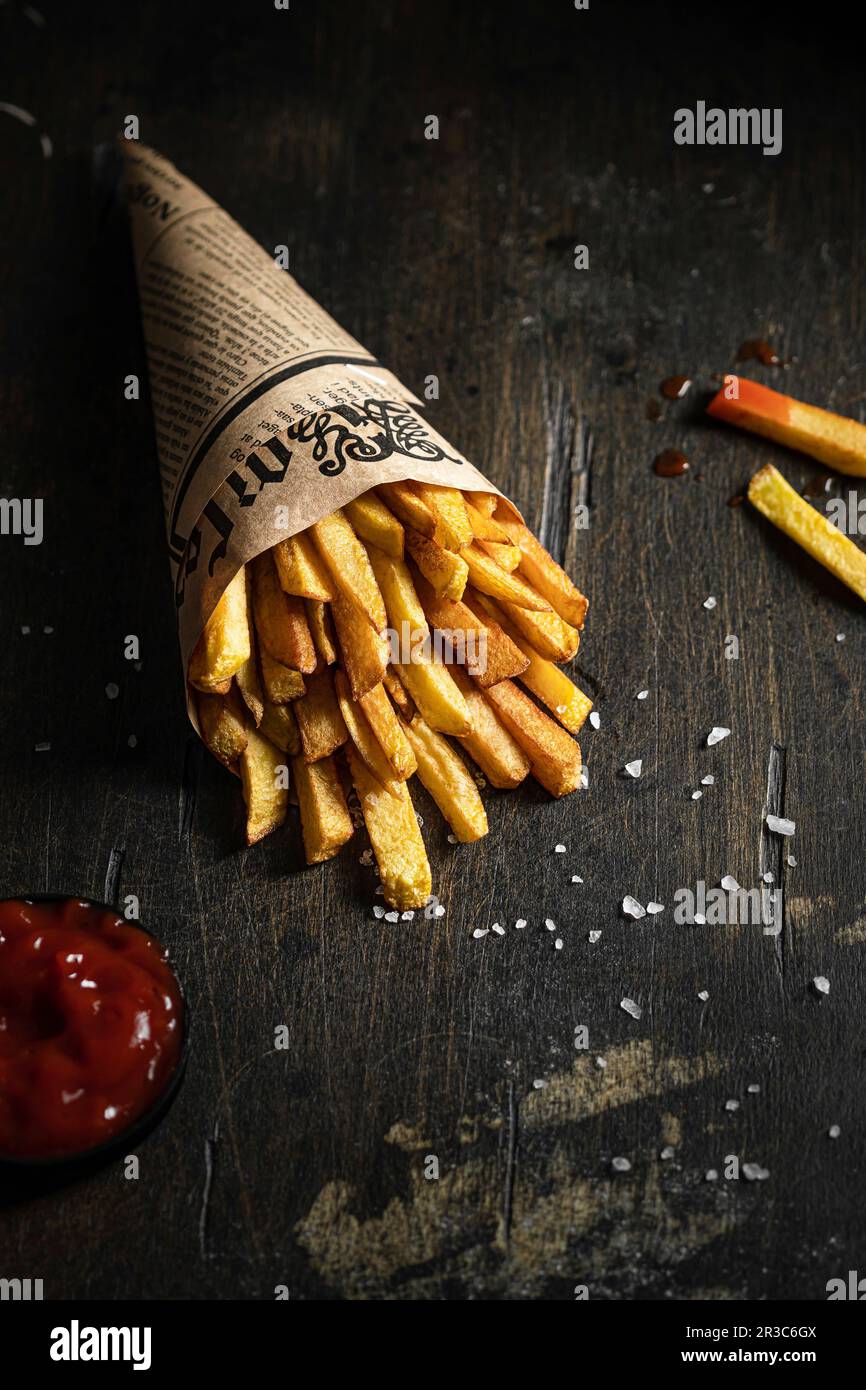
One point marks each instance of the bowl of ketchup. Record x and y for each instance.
(93, 1030)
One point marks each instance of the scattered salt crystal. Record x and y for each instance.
(132, 741)
(822, 984)
(730, 884)
(792, 863)
(479, 931)
(500, 931)
(380, 889)
(595, 719)
(438, 910)
(708, 780)
(576, 878)
(550, 924)
(780, 825)
(392, 916)
(696, 796)
(753, 1089)
(712, 1175)
(700, 919)
(42, 748)
(634, 768)
(594, 936)
(631, 1007)
(716, 735)
(840, 637)
(834, 1131)
(601, 1062)
(632, 908)
(620, 1165)
(521, 922)
(112, 690)
(704, 994)
(667, 1152)
(559, 849)
(709, 602)
(452, 839)
(732, 1105)
(539, 1084)
(557, 945)
(25, 631)
(753, 1172)
(378, 912)
(406, 916)
(653, 908)
(768, 878)
(642, 694)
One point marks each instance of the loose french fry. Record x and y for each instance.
(494, 655)
(484, 502)
(264, 776)
(280, 622)
(374, 522)
(550, 635)
(224, 646)
(486, 576)
(405, 614)
(325, 821)
(446, 778)
(320, 722)
(453, 530)
(361, 733)
(280, 726)
(554, 756)
(489, 743)
(833, 439)
(404, 500)
(399, 694)
(506, 555)
(364, 651)
(299, 569)
(387, 729)
(772, 495)
(281, 683)
(446, 572)
(550, 685)
(432, 687)
(322, 628)
(547, 577)
(348, 565)
(394, 834)
(221, 721)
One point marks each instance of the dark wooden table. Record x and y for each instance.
(306, 1167)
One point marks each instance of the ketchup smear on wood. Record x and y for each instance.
(91, 1026)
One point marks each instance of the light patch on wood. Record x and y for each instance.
(852, 935)
(632, 1073)
(809, 909)
(407, 1137)
(672, 1130)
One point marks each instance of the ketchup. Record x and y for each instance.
(91, 1026)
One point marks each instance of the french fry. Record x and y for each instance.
(361, 733)
(387, 729)
(325, 821)
(497, 657)
(486, 576)
(299, 569)
(484, 526)
(264, 776)
(247, 677)
(405, 502)
(222, 727)
(374, 522)
(484, 502)
(280, 726)
(554, 756)
(489, 743)
(280, 622)
(832, 439)
(453, 530)
(446, 572)
(364, 651)
(779, 503)
(432, 687)
(401, 601)
(446, 778)
(322, 628)
(550, 685)
(281, 683)
(506, 555)
(320, 722)
(394, 835)
(547, 577)
(348, 565)
(549, 635)
(224, 646)
(399, 694)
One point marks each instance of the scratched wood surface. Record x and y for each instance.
(306, 1167)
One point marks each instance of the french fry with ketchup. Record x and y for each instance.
(835, 440)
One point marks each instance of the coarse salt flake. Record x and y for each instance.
(716, 734)
(595, 719)
(780, 825)
(654, 908)
(630, 1007)
(822, 984)
(710, 602)
(620, 1165)
(632, 908)
(635, 767)
(730, 884)
(594, 936)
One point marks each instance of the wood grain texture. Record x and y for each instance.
(455, 257)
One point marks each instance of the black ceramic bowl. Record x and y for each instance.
(83, 1160)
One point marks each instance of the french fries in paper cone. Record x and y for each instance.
(352, 593)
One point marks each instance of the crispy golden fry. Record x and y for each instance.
(374, 522)
(484, 527)
(401, 601)
(499, 756)
(486, 576)
(281, 683)
(547, 577)
(484, 502)
(322, 628)
(833, 439)
(448, 781)
(453, 530)
(348, 565)
(325, 821)
(300, 570)
(772, 495)
(404, 500)
(495, 655)
(264, 775)
(554, 756)
(280, 622)
(506, 555)
(550, 685)
(362, 734)
(281, 727)
(221, 721)
(399, 694)
(248, 678)
(320, 722)
(432, 687)
(224, 646)
(550, 635)
(364, 651)
(388, 730)
(446, 572)
(394, 834)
